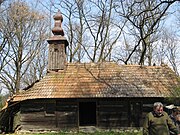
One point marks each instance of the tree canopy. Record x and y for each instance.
(124, 31)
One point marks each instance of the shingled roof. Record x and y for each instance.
(101, 80)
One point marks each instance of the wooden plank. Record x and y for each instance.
(67, 116)
(36, 119)
(61, 103)
(112, 102)
(40, 123)
(38, 127)
(66, 108)
(115, 124)
(111, 109)
(67, 119)
(27, 110)
(112, 118)
(113, 113)
(67, 126)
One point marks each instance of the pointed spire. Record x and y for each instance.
(58, 19)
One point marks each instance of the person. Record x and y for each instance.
(158, 122)
(178, 121)
(175, 116)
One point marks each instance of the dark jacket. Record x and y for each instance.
(176, 123)
(158, 125)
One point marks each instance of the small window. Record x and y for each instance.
(50, 109)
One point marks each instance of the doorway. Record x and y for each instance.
(87, 113)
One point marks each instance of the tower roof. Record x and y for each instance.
(57, 30)
(58, 19)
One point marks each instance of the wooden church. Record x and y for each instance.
(104, 95)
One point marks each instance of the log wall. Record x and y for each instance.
(63, 114)
(41, 115)
(112, 114)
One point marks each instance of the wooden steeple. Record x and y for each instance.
(57, 45)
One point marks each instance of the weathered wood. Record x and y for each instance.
(67, 119)
(57, 56)
(49, 114)
(67, 114)
(40, 116)
(112, 113)
(59, 114)
(38, 125)
(113, 124)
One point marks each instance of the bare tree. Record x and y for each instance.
(73, 25)
(26, 32)
(104, 30)
(3, 41)
(91, 36)
(1, 104)
(144, 18)
(37, 67)
(171, 49)
(178, 19)
(1, 1)
(74, 28)
(3, 50)
(96, 28)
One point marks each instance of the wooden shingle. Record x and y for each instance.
(104, 80)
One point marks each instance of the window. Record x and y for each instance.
(50, 109)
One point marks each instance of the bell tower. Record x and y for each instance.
(57, 45)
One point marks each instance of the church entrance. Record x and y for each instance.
(87, 113)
